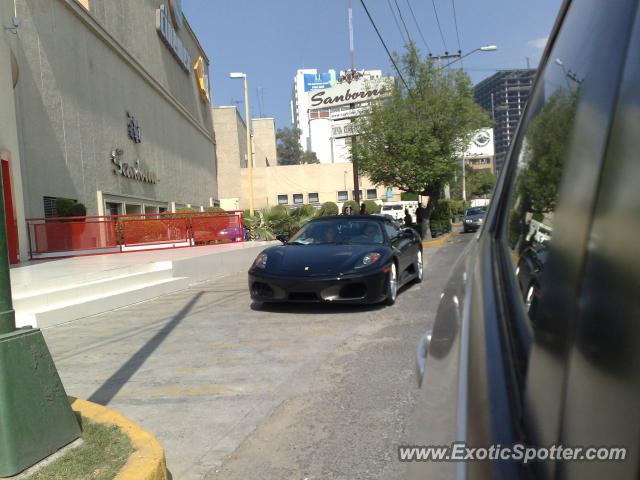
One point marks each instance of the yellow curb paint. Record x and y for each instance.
(147, 462)
(437, 242)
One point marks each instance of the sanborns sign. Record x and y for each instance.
(171, 39)
(346, 93)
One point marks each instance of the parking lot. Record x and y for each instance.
(236, 391)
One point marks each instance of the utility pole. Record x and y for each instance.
(354, 160)
(36, 419)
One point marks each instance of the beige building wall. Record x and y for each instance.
(264, 141)
(269, 182)
(231, 150)
(325, 180)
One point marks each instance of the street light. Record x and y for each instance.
(237, 76)
(486, 48)
(458, 57)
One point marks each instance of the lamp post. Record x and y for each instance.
(457, 57)
(239, 75)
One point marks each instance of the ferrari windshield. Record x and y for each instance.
(339, 231)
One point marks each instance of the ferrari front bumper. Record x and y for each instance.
(365, 288)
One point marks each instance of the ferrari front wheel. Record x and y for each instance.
(392, 285)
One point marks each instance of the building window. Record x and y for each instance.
(50, 209)
(298, 198)
(372, 193)
(343, 196)
(283, 199)
(353, 194)
(313, 198)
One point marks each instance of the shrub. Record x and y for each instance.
(371, 207)
(353, 204)
(307, 211)
(65, 207)
(328, 208)
(441, 211)
(214, 209)
(409, 197)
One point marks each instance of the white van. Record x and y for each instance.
(396, 210)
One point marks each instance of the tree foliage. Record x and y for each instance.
(545, 148)
(414, 139)
(479, 182)
(289, 151)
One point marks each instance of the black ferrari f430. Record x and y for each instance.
(342, 259)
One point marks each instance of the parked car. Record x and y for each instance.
(339, 259)
(472, 219)
(565, 372)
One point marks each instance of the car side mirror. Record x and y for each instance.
(283, 238)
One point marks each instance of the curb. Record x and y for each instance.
(437, 242)
(147, 462)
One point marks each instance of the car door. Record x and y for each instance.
(512, 365)
(602, 400)
(401, 245)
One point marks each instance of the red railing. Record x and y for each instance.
(90, 235)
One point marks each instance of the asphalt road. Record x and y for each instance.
(235, 392)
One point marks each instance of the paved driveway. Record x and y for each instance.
(233, 392)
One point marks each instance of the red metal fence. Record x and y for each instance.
(68, 236)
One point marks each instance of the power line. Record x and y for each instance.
(403, 22)
(384, 44)
(418, 26)
(455, 21)
(395, 19)
(439, 27)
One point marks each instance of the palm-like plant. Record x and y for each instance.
(279, 220)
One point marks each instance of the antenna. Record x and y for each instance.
(351, 48)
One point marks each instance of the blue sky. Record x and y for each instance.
(271, 39)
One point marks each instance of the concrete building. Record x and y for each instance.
(322, 124)
(504, 96)
(307, 80)
(113, 110)
(278, 185)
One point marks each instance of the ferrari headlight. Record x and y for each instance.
(260, 261)
(368, 259)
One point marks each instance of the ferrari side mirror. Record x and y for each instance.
(283, 238)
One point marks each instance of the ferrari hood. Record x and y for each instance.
(315, 260)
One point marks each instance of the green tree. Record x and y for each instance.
(479, 182)
(413, 140)
(289, 150)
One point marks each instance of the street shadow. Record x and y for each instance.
(114, 384)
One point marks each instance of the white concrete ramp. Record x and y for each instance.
(59, 291)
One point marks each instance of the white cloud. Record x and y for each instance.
(538, 42)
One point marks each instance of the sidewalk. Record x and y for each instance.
(51, 292)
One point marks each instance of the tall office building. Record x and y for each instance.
(320, 108)
(306, 80)
(504, 96)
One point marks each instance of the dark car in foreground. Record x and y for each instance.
(340, 259)
(563, 220)
(473, 219)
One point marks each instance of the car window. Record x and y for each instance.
(392, 230)
(561, 142)
(341, 231)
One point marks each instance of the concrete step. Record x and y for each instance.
(48, 277)
(80, 307)
(30, 300)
